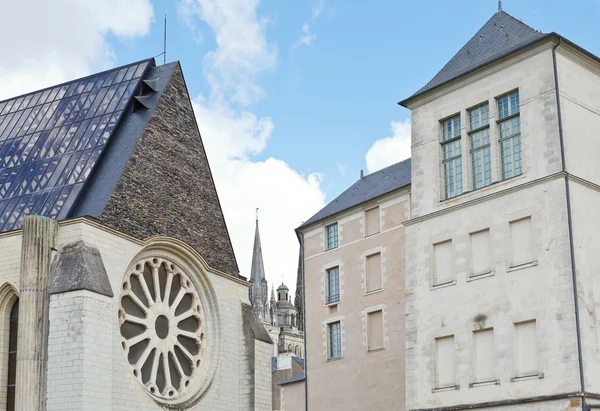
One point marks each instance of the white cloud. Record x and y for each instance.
(392, 149)
(318, 9)
(232, 135)
(47, 42)
(242, 51)
(306, 38)
(341, 168)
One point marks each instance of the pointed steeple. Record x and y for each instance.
(259, 288)
(257, 272)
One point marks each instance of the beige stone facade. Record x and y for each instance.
(491, 316)
(88, 363)
(367, 370)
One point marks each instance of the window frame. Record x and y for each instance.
(368, 314)
(328, 296)
(512, 114)
(330, 342)
(455, 161)
(366, 259)
(365, 211)
(336, 236)
(11, 376)
(481, 149)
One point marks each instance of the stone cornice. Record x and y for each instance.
(484, 198)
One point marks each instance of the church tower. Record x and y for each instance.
(259, 290)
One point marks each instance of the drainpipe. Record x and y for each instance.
(570, 223)
(301, 238)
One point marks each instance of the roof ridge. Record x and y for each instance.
(501, 35)
(519, 21)
(385, 168)
(94, 74)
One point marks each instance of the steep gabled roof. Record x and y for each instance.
(500, 36)
(367, 188)
(52, 140)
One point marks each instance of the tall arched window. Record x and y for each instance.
(12, 356)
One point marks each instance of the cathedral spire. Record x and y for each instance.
(257, 272)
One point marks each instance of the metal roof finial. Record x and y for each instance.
(499, 5)
(256, 215)
(165, 37)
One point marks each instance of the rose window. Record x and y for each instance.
(163, 328)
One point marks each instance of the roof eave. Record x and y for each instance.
(405, 103)
(303, 226)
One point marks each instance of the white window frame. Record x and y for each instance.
(337, 236)
(510, 118)
(449, 137)
(483, 151)
(328, 300)
(330, 340)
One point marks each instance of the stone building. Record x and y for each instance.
(119, 288)
(354, 297)
(502, 291)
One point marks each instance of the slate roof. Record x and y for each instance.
(299, 361)
(296, 378)
(367, 188)
(53, 141)
(500, 36)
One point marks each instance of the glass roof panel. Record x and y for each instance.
(50, 141)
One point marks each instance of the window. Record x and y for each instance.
(526, 349)
(479, 138)
(485, 357)
(444, 264)
(332, 236)
(480, 252)
(375, 330)
(521, 239)
(444, 361)
(509, 125)
(12, 356)
(373, 267)
(452, 157)
(372, 221)
(333, 285)
(335, 340)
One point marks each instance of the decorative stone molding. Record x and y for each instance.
(79, 266)
(170, 323)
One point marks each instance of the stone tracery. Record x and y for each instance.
(163, 328)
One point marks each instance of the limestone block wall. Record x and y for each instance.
(80, 352)
(87, 312)
(540, 291)
(262, 376)
(532, 74)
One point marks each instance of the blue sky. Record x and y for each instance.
(293, 98)
(332, 99)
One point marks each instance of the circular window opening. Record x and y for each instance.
(162, 325)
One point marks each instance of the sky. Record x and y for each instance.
(293, 98)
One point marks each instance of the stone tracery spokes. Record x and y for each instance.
(163, 327)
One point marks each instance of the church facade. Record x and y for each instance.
(279, 316)
(119, 288)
